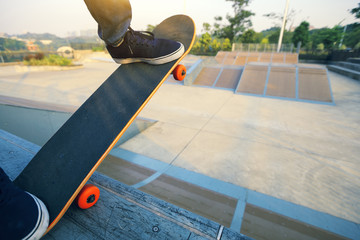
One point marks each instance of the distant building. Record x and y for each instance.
(31, 46)
(88, 33)
(46, 42)
(72, 34)
(16, 38)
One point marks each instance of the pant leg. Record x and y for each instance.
(113, 18)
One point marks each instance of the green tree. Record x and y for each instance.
(236, 23)
(356, 11)
(196, 49)
(215, 45)
(274, 37)
(217, 31)
(206, 45)
(264, 41)
(301, 34)
(11, 44)
(205, 40)
(249, 36)
(357, 46)
(328, 36)
(206, 27)
(352, 35)
(320, 47)
(226, 45)
(202, 45)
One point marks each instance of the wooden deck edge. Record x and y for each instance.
(122, 211)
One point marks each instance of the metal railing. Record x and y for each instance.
(257, 47)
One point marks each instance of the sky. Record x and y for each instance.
(60, 17)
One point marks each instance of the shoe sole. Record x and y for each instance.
(42, 222)
(154, 61)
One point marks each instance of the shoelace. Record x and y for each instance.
(142, 38)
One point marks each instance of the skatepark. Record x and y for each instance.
(260, 144)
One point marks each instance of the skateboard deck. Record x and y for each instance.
(65, 163)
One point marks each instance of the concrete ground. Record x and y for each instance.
(300, 152)
(71, 87)
(304, 153)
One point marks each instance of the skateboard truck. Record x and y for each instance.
(179, 72)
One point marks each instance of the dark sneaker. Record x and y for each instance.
(22, 215)
(144, 47)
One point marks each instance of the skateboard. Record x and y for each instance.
(61, 168)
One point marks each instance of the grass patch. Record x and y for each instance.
(98, 48)
(51, 60)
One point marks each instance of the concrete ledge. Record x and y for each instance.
(344, 71)
(122, 211)
(265, 225)
(349, 65)
(354, 60)
(22, 68)
(44, 119)
(29, 103)
(5, 64)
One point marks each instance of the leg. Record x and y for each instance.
(113, 18)
(22, 215)
(124, 44)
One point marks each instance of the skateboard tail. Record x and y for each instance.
(62, 212)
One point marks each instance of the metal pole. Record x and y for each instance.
(342, 36)
(283, 26)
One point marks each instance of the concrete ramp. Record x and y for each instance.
(228, 78)
(265, 57)
(220, 56)
(292, 58)
(219, 77)
(314, 84)
(207, 76)
(282, 82)
(278, 58)
(242, 58)
(253, 80)
(294, 82)
(253, 57)
(267, 75)
(230, 58)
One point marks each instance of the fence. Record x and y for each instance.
(257, 47)
(18, 56)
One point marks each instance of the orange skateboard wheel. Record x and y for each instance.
(88, 196)
(179, 72)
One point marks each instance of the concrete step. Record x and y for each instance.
(349, 65)
(44, 119)
(345, 71)
(122, 212)
(353, 60)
